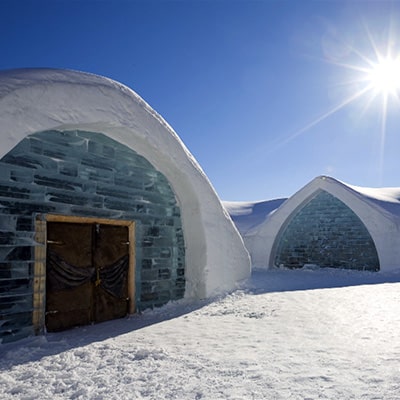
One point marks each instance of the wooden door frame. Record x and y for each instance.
(39, 280)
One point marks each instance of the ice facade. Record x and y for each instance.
(84, 174)
(327, 233)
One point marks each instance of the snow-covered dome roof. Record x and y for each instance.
(33, 100)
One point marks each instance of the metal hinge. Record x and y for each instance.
(55, 242)
(52, 312)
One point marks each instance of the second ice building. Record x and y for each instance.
(327, 224)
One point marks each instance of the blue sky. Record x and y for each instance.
(249, 86)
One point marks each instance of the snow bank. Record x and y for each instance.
(34, 100)
(272, 339)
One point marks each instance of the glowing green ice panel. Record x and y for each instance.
(327, 233)
(85, 174)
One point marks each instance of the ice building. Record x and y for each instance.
(330, 224)
(103, 210)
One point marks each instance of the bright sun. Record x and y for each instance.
(384, 76)
(373, 77)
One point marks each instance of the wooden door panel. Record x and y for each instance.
(69, 289)
(72, 242)
(112, 243)
(69, 308)
(111, 261)
(108, 307)
(86, 274)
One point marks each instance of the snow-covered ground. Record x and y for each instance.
(309, 334)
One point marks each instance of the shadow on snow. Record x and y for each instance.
(262, 281)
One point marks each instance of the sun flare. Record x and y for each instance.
(371, 81)
(384, 76)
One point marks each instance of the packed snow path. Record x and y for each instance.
(282, 335)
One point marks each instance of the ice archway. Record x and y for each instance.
(42, 101)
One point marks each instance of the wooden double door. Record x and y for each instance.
(87, 269)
